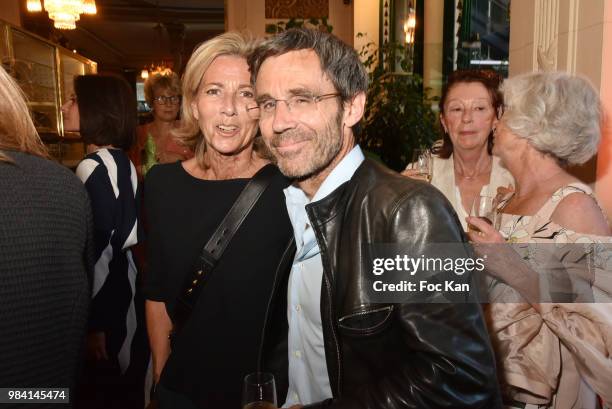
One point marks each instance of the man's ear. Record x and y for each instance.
(354, 109)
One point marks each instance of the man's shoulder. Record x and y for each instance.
(374, 180)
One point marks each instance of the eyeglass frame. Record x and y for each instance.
(315, 99)
(163, 100)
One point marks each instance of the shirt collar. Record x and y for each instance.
(343, 172)
(297, 200)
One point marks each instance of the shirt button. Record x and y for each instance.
(298, 354)
(298, 307)
(295, 397)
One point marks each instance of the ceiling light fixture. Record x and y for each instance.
(64, 13)
(160, 69)
(34, 5)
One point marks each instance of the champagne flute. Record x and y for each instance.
(485, 208)
(259, 391)
(422, 163)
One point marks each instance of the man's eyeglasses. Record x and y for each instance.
(297, 104)
(163, 100)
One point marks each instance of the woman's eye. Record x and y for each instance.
(212, 91)
(247, 94)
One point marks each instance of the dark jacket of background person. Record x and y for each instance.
(103, 111)
(45, 256)
(388, 355)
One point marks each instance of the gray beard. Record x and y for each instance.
(327, 148)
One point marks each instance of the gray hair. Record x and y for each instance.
(557, 113)
(339, 61)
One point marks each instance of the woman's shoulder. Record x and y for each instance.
(104, 158)
(277, 178)
(45, 177)
(41, 167)
(575, 207)
(442, 165)
(164, 172)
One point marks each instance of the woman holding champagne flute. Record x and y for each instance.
(461, 165)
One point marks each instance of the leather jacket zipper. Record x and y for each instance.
(365, 312)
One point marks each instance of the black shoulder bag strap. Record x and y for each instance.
(213, 250)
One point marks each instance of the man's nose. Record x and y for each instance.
(283, 118)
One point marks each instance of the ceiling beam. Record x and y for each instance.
(146, 12)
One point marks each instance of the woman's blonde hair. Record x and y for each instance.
(230, 43)
(17, 131)
(162, 82)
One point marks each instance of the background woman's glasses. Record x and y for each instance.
(163, 100)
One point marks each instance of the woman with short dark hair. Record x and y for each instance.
(103, 110)
(462, 165)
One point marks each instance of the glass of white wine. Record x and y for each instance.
(259, 391)
(485, 208)
(422, 163)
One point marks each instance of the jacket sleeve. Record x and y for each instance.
(451, 363)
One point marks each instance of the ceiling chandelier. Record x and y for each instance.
(64, 13)
(160, 69)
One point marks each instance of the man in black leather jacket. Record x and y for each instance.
(357, 353)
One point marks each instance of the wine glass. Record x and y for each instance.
(485, 208)
(259, 391)
(422, 163)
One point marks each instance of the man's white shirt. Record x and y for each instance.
(308, 376)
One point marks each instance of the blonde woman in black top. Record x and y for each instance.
(185, 203)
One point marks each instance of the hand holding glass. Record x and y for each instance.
(259, 391)
(422, 163)
(485, 208)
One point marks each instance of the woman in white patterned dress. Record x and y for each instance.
(554, 340)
